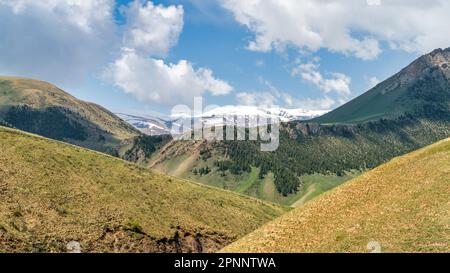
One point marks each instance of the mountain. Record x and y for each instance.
(152, 126)
(54, 193)
(421, 87)
(160, 125)
(401, 206)
(314, 156)
(42, 108)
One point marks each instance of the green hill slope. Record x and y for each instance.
(403, 206)
(44, 109)
(52, 193)
(422, 84)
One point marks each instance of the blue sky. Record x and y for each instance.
(234, 53)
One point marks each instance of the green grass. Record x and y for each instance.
(402, 205)
(170, 165)
(312, 186)
(53, 193)
(247, 183)
(370, 106)
(215, 179)
(264, 189)
(317, 184)
(250, 184)
(236, 183)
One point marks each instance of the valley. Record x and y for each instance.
(404, 113)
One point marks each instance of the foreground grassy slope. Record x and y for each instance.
(403, 205)
(52, 193)
(44, 109)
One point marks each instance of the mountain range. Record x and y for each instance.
(164, 125)
(82, 174)
(408, 111)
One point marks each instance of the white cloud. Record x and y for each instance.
(373, 2)
(338, 82)
(86, 15)
(354, 27)
(55, 40)
(151, 29)
(65, 41)
(153, 80)
(373, 81)
(260, 63)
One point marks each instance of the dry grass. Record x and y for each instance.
(52, 193)
(403, 205)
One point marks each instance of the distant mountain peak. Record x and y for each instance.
(159, 125)
(438, 59)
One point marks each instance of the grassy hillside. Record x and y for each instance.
(46, 110)
(53, 193)
(403, 205)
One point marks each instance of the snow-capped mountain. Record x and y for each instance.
(153, 126)
(161, 125)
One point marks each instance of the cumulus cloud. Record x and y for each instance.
(151, 79)
(151, 29)
(64, 41)
(352, 27)
(151, 32)
(337, 82)
(54, 40)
